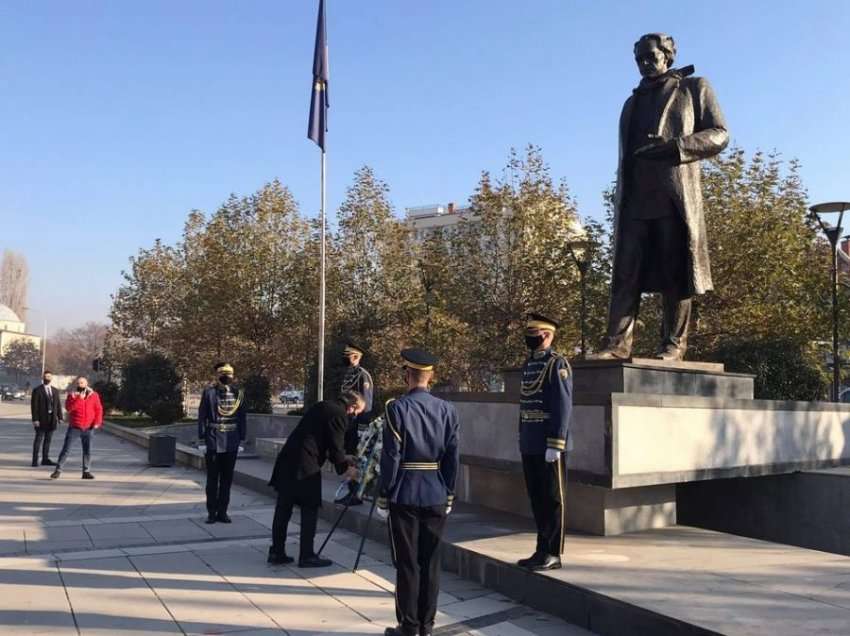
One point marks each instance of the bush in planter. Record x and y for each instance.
(166, 411)
(151, 384)
(108, 392)
(258, 394)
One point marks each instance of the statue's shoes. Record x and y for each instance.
(671, 353)
(608, 354)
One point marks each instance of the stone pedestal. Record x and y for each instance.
(640, 429)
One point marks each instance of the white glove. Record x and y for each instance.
(448, 510)
(383, 513)
(552, 455)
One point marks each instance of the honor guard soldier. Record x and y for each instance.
(544, 426)
(222, 424)
(419, 466)
(359, 380)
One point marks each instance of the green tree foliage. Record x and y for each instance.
(108, 392)
(242, 284)
(234, 288)
(511, 256)
(784, 368)
(152, 385)
(22, 358)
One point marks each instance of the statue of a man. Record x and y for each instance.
(668, 124)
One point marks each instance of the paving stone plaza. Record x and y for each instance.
(129, 553)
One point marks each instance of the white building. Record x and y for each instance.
(13, 329)
(426, 219)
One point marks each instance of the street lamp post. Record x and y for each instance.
(580, 252)
(832, 233)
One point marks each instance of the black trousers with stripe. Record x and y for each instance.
(546, 484)
(415, 536)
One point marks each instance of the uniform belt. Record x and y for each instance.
(225, 427)
(420, 465)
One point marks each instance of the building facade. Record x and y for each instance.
(13, 329)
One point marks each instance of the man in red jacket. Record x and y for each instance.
(85, 414)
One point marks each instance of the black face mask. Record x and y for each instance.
(46, 382)
(225, 379)
(533, 342)
(81, 389)
(346, 361)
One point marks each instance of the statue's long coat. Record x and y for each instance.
(691, 116)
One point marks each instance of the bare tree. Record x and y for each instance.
(14, 281)
(72, 351)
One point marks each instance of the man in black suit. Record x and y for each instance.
(46, 414)
(297, 475)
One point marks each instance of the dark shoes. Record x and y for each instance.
(47, 462)
(314, 561)
(549, 562)
(223, 518)
(88, 476)
(35, 463)
(55, 474)
(210, 519)
(609, 354)
(275, 558)
(524, 563)
(539, 562)
(398, 631)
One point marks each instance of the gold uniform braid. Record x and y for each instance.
(232, 411)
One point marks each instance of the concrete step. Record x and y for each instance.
(269, 447)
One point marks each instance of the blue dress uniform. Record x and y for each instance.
(419, 466)
(357, 379)
(544, 424)
(222, 425)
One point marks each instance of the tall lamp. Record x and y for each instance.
(820, 213)
(580, 251)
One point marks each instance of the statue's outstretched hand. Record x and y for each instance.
(662, 151)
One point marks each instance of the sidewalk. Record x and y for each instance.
(129, 553)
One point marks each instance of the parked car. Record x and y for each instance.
(291, 396)
(14, 393)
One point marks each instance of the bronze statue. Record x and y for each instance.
(668, 124)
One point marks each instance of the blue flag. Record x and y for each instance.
(318, 124)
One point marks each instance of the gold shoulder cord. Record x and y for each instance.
(232, 411)
(527, 389)
(390, 420)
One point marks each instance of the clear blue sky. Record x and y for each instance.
(119, 117)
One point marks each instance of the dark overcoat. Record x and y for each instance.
(39, 406)
(691, 117)
(317, 438)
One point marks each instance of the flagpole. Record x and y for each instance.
(321, 373)
(44, 348)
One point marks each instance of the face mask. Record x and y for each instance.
(224, 379)
(533, 342)
(46, 381)
(346, 361)
(80, 389)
